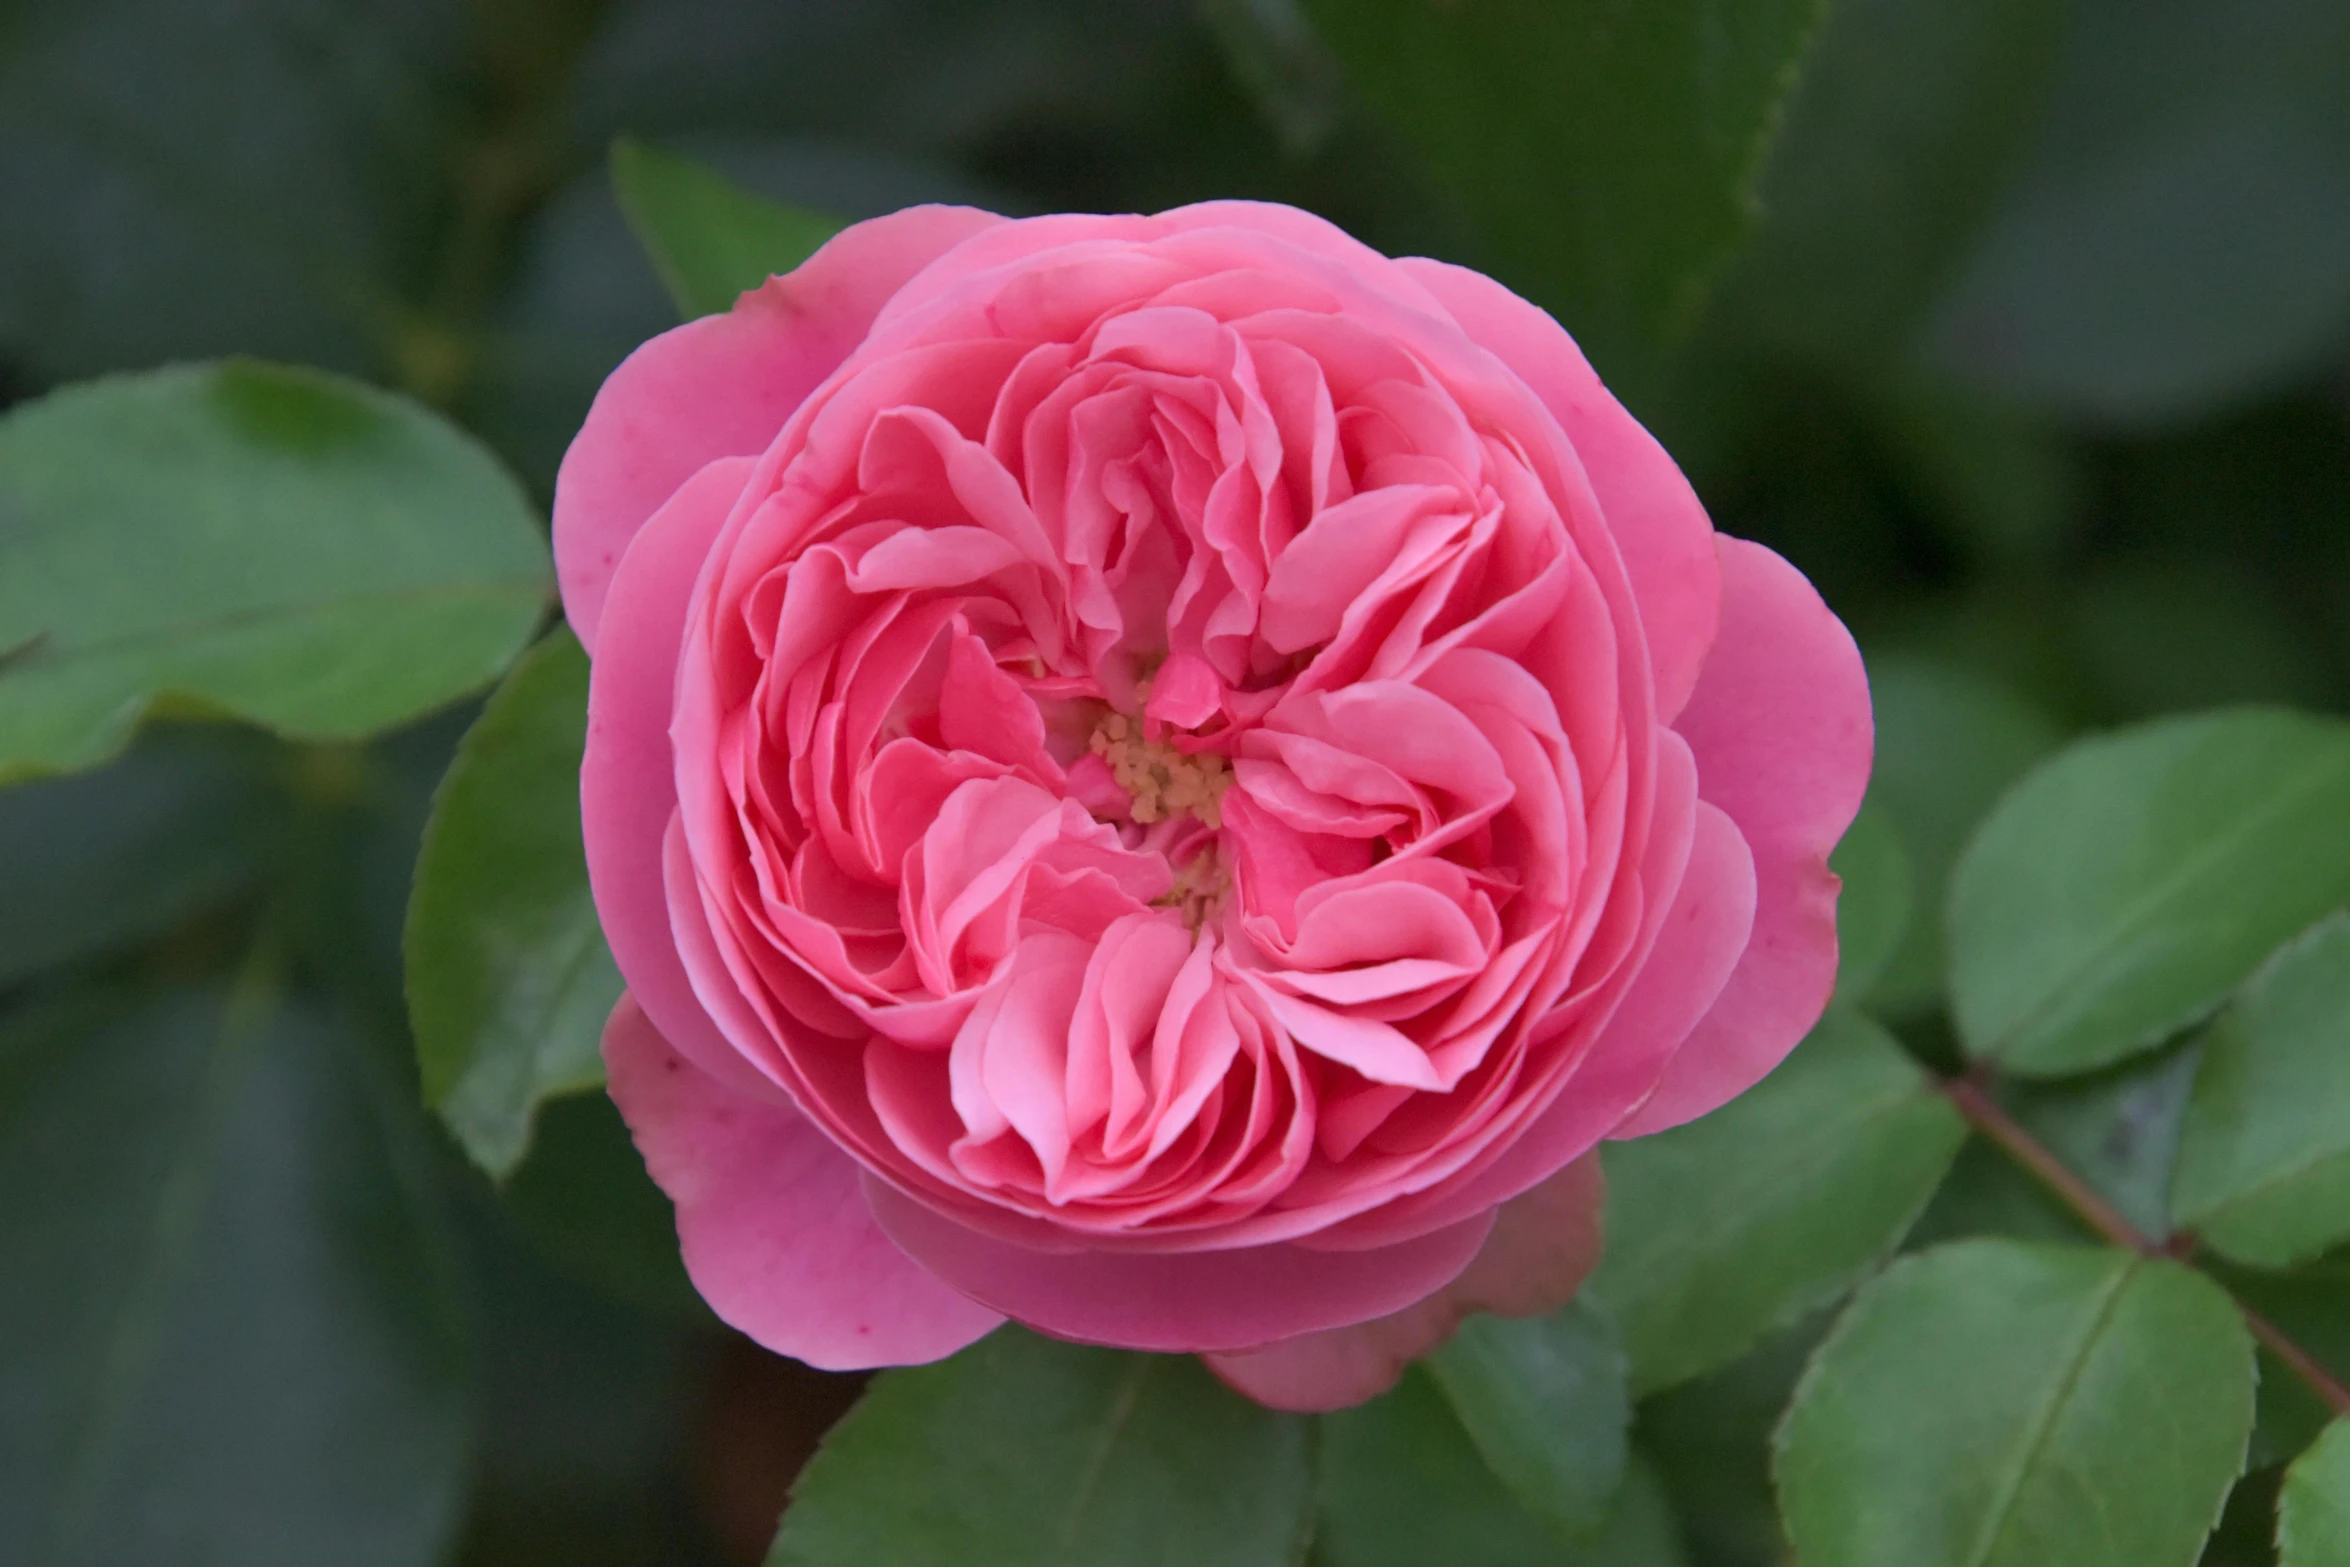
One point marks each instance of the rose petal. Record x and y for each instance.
(1051, 468)
(1698, 946)
(1183, 1302)
(1544, 1243)
(1781, 728)
(771, 1219)
(1186, 692)
(627, 789)
(722, 386)
(1660, 528)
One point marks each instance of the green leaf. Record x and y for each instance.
(1404, 1486)
(2310, 1306)
(230, 1332)
(1987, 1193)
(281, 545)
(1606, 153)
(2313, 1511)
(509, 980)
(1710, 1442)
(1872, 912)
(2000, 1404)
(1746, 1219)
(96, 863)
(2117, 1129)
(1544, 1399)
(1906, 118)
(1949, 740)
(1022, 1452)
(2264, 1163)
(2126, 887)
(709, 238)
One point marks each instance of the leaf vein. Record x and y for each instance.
(2043, 1426)
(1122, 1407)
(41, 657)
(2079, 985)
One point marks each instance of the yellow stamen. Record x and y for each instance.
(1203, 884)
(1162, 780)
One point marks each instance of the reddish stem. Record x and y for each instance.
(2298, 1360)
(1987, 1116)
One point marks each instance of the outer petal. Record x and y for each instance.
(1658, 523)
(627, 784)
(1306, 232)
(1781, 728)
(1177, 1301)
(1544, 1243)
(772, 1221)
(723, 386)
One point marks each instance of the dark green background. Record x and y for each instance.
(2035, 362)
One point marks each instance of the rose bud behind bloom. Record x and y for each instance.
(1170, 778)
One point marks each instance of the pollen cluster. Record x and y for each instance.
(1162, 780)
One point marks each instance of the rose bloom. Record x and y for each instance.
(1170, 778)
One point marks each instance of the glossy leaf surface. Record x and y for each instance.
(509, 980)
(1998, 1404)
(272, 544)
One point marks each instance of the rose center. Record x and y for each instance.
(1203, 886)
(1162, 781)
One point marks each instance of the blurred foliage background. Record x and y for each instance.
(2033, 350)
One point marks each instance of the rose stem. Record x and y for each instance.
(1986, 1116)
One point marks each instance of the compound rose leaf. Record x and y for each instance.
(2311, 1307)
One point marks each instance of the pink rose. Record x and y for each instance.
(1170, 778)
